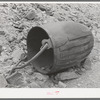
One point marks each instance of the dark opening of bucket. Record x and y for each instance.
(34, 43)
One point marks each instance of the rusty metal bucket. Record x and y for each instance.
(69, 44)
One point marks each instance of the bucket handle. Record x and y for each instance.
(29, 61)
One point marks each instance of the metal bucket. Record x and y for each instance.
(69, 44)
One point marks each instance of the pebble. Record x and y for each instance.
(61, 85)
(66, 76)
(1, 49)
(3, 56)
(78, 85)
(39, 76)
(24, 42)
(31, 15)
(87, 64)
(3, 82)
(29, 70)
(98, 37)
(50, 13)
(17, 79)
(47, 84)
(42, 7)
(2, 33)
(33, 85)
(16, 55)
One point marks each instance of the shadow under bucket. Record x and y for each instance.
(69, 43)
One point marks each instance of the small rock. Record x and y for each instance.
(24, 42)
(16, 79)
(78, 85)
(3, 40)
(29, 70)
(31, 15)
(98, 37)
(46, 84)
(87, 67)
(16, 55)
(41, 77)
(4, 5)
(3, 56)
(34, 85)
(3, 82)
(87, 64)
(45, 22)
(14, 6)
(50, 13)
(2, 33)
(65, 7)
(88, 24)
(42, 7)
(1, 49)
(61, 85)
(66, 76)
(10, 38)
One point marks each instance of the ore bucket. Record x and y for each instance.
(61, 38)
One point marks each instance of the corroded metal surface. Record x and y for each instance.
(69, 44)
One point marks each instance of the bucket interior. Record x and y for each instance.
(34, 43)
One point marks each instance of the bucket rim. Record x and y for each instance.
(51, 40)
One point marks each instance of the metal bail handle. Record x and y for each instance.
(42, 49)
